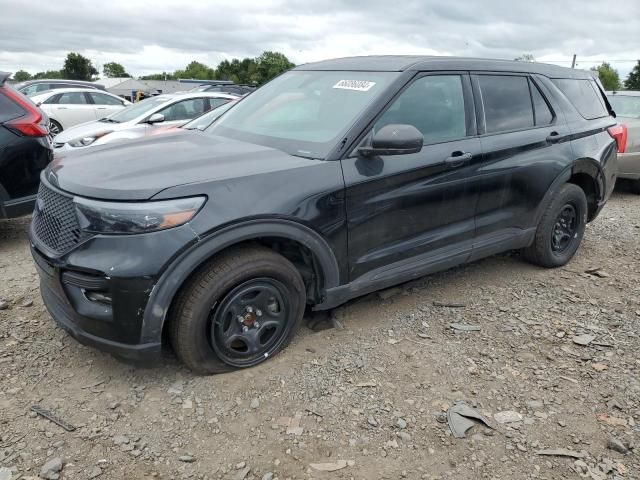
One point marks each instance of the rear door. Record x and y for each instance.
(70, 108)
(413, 210)
(105, 105)
(525, 144)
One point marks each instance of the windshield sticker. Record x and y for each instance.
(358, 85)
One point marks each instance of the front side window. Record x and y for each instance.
(507, 102)
(184, 110)
(72, 98)
(303, 113)
(138, 109)
(434, 105)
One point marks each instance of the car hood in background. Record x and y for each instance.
(140, 169)
(89, 129)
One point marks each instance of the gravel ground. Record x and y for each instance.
(554, 357)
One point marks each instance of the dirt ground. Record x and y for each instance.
(369, 396)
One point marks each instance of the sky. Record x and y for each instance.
(162, 35)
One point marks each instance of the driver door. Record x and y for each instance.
(416, 209)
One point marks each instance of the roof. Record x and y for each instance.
(3, 77)
(47, 93)
(400, 63)
(60, 80)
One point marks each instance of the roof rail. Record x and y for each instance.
(3, 77)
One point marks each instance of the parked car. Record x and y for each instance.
(141, 119)
(626, 104)
(25, 150)
(68, 107)
(333, 180)
(34, 87)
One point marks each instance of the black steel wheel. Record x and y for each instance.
(239, 310)
(250, 322)
(560, 229)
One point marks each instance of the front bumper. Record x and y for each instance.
(629, 165)
(123, 268)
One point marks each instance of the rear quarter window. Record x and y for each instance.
(8, 108)
(584, 95)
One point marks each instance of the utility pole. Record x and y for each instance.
(573, 62)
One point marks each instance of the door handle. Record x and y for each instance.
(101, 108)
(62, 108)
(457, 159)
(555, 137)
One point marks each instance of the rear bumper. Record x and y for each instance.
(629, 165)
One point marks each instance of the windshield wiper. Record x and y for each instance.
(108, 120)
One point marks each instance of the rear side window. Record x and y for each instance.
(584, 95)
(72, 98)
(8, 108)
(507, 102)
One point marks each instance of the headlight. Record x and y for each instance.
(86, 141)
(125, 217)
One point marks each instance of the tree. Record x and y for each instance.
(608, 76)
(114, 70)
(525, 57)
(633, 80)
(270, 65)
(159, 76)
(196, 70)
(47, 74)
(77, 67)
(21, 76)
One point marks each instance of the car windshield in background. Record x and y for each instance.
(303, 113)
(205, 120)
(625, 105)
(134, 111)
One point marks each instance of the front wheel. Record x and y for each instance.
(237, 311)
(561, 228)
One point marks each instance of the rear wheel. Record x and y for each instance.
(561, 228)
(54, 128)
(238, 311)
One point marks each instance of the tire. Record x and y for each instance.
(54, 128)
(554, 245)
(211, 312)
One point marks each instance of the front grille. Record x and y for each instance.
(55, 224)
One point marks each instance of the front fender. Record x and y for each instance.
(186, 263)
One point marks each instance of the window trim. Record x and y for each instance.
(554, 116)
(480, 112)
(467, 96)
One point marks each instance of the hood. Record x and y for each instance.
(88, 129)
(139, 169)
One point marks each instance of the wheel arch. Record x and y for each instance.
(271, 232)
(585, 173)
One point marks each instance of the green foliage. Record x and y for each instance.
(47, 74)
(525, 57)
(633, 80)
(196, 70)
(21, 76)
(608, 76)
(77, 67)
(159, 76)
(114, 70)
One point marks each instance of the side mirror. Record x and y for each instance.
(155, 118)
(394, 139)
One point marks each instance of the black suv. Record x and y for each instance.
(334, 180)
(25, 150)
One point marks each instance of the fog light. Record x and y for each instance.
(100, 297)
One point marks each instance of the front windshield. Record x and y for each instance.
(134, 111)
(203, 121)
(303, 113)
(625, 105)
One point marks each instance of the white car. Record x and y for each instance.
(67, 107)
(141, 119)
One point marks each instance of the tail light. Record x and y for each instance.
(619, 134)
(28, 124)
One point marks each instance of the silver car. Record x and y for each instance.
(626, 104)
(141, 119)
